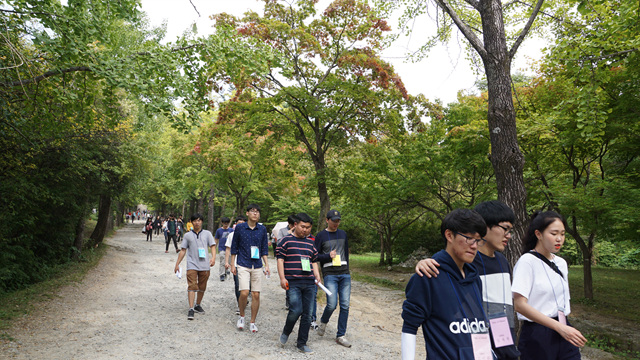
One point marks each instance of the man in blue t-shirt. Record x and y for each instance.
(221, 240)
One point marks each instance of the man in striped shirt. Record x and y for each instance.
(298, 271)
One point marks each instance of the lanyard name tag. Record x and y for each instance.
(481, 346)
(306, 266)
(562, 318)
(255, 252)
(500, 330)
(336, 261)
(202, 253)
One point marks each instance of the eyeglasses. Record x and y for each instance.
(471, 240)
(254, 211)
(507, 230)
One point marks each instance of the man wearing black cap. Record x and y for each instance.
(333, 254)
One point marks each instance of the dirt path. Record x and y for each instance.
(131, 306)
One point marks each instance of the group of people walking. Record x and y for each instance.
(300, 259)
(173, 229)
(464, 297)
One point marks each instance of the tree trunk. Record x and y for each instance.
(323, 192)
(104, 212)
(78, 243)
(120, 217)
(381, 262)
(211, 213)
(506, 158)
(201, 197)
(587, 258)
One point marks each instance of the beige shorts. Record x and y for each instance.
(248, 276)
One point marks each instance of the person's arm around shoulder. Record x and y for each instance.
(428, 267)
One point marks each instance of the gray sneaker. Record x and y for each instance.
(283, 339)
(343, 341)
(321, 328)
(305, 349)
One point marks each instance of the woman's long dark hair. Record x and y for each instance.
(539, 221)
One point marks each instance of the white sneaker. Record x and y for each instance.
(253, 328)
(343, 341)
(314, 325)
(240, 323)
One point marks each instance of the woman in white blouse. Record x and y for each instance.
(541, 293)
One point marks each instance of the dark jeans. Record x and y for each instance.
(301, 296)
(149, 235)
(340, 286)
(235, 280)
(168, 240)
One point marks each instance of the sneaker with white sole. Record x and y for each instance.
(253, 328)
(240, 323)
(198, 309)
(314, 325)
(343, 341)
(321, 328)
(190, 315)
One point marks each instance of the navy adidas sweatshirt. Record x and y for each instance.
(447, 307)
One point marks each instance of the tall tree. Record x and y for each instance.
(325, 83)
(483, 23)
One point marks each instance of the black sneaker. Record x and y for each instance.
(198, 309)
(222, 277)
(190, 316)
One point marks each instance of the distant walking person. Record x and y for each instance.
(221, 239)
(298, 271)
(148, 227)
(194, 246)
(333, 255)
(251, 247)
(172, 233)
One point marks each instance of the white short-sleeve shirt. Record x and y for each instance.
(544, 289)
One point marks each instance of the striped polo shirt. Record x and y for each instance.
(292, 249)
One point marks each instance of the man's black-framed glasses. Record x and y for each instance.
(507, 230)
(471, 240)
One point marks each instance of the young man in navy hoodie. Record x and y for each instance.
(495, 273)
(449, 307)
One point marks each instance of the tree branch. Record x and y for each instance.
(474, 3)
(194, 8)
(464, 28)
(525, 30)
(46, 75)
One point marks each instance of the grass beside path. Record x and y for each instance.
(21, 302)
(611, 321)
